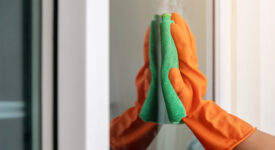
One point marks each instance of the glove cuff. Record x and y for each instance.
(215, 128)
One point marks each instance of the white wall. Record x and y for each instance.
(250, 64)
(267, 66)
(247, 63)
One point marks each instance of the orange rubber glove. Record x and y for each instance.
(215, 128)
(128, 131)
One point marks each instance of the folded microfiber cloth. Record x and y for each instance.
(162, 100)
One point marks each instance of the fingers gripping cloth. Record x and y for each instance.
(215, 128)
(164, 100)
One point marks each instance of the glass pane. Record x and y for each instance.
(11, 29)
(19, 75)
(12, 137)
(129, 21)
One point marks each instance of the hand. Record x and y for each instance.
(215, 128)
(128, 131)
(189, 83)
(143, 78)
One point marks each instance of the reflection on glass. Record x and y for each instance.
(128, 23)
(19, 75)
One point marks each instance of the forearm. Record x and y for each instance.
(257, 141)
(128, 131)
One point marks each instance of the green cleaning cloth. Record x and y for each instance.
(162, 100)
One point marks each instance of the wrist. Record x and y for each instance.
(215, 128)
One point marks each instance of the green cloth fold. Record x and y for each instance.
(162, 100)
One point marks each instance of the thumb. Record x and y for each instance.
(182, 87)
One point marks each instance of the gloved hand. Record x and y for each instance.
(128, 131)
(215, 128)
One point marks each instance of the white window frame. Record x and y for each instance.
(97, 75)
(210, 51)
(83, 74)
(71, 74)
(47, 75)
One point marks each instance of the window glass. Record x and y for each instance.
(129, 21)
(20, 74)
